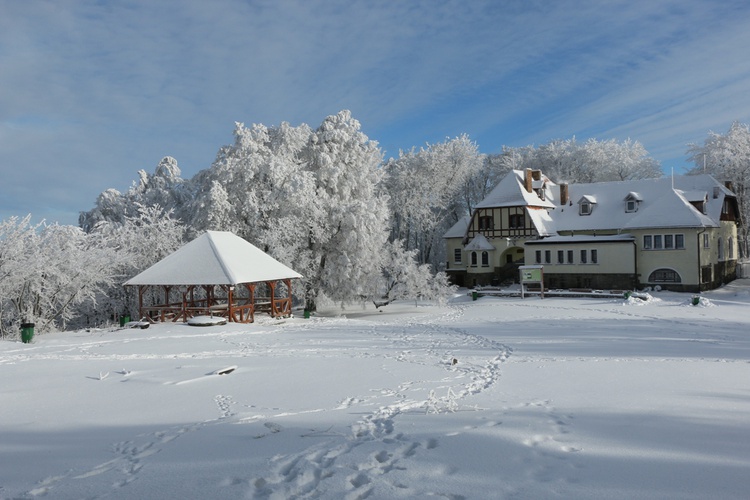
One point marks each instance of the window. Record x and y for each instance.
(665, 276)
(585, 208)
(631, 206)
(665, 241)
(538, 256)
(517, 221)
(730, 247)
(473, 259)
(583, 256)
(560, 257)
(679, 241)
(720, 248)
(570, 256)
(594, 256)
(457, 255)
(485, 259)
(706, 241)
(485, 222)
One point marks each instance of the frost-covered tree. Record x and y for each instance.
(258, 188)
(727, 158)
(136, 244)
(494, 168)
(348, 216)
(591, 161)
(427, 190)
(405, 278)
(164, 188)
(47, 273)
(16, 235)
(309, 198)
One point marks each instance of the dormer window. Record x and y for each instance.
(632, 200)
(586, 205)
(699, 199)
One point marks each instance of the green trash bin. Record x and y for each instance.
(307, 313)
(696, 300)
(474, 295)
(27, 332)
(124, 320)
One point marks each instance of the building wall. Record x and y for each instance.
(683, 261)
(614, 266)
(700, 267)
(611, 257)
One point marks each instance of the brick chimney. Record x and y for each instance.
(527, 181)
(563, 193)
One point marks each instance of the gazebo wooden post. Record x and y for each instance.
(251, 293)
(167, 289)
(272, 287)
(140, 302)
(288, 307)
(183, 307)
(230, 302)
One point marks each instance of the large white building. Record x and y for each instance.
(676, 232)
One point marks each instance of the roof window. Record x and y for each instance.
(586, 205)
(632, 200)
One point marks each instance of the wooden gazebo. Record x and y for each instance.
(216, 274)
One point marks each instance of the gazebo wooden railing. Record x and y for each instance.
(236, 307)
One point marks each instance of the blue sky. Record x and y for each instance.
(93, 91)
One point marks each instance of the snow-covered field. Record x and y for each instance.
(548, 398)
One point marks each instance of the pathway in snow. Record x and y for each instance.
(374, 447)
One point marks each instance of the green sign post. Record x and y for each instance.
(532, 275)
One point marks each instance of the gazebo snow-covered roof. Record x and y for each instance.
(215, 258)
(206, 272)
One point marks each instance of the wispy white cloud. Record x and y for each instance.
(93, 91)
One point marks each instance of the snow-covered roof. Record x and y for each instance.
(479, 242)
(215, 258)
(458, 230)
(543, 221)
(582, 238)
(634, 196)
(511, 192)
(694, 195)
(659, 204)
(587, 198)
